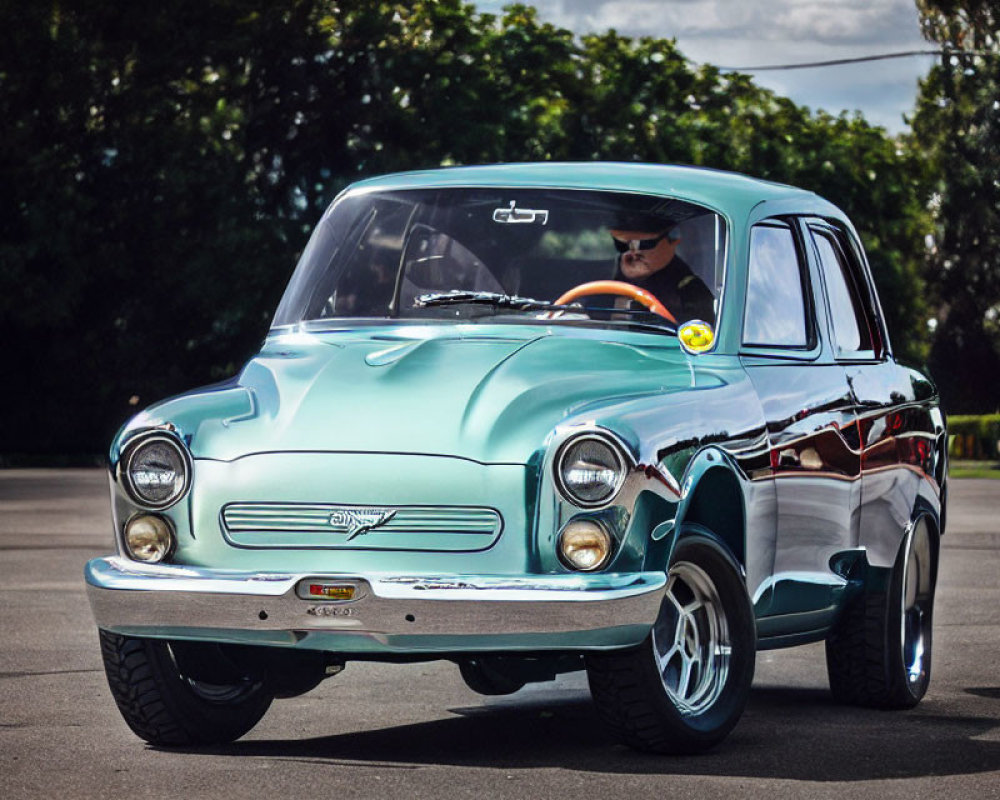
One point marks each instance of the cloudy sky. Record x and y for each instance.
(744, 33)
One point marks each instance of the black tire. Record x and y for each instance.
(633, 689)
(878, 655)
(484, 677)
(164, 706)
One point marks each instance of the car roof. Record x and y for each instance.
(724, 191)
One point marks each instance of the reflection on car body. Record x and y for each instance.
(467, 437)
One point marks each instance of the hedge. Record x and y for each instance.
(974, 436)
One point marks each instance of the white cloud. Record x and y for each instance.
(744, 33)
(885, 22)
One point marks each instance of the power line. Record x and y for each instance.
(839, 61)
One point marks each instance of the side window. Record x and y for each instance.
(853, 329)
(775, 313)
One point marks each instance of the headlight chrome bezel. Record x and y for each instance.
(621, 467)
(133, 448)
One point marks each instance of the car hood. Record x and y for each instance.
(492, 396)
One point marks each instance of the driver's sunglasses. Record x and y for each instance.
(623, 246)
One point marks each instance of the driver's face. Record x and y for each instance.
(637, 264)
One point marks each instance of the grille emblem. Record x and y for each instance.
(360, 520)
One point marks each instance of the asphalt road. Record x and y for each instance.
(416, 731)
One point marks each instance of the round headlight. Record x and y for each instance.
(157, 471)
(149, 538)
(590, 470)
(584, 545)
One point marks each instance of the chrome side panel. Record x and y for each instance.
(905, 452)
(815, 454)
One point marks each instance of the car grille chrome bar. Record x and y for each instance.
(284, 525)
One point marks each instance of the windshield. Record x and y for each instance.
(503, 254)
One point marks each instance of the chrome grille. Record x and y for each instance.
(327, 525)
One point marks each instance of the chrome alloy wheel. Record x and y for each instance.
(691, 640)
(916, 603)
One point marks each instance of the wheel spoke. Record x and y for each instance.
(691, 640)
(675, 602)
(693, 606)
(666, 657)
(683, 684)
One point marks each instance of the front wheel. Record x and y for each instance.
(684, 688)
(182, 693)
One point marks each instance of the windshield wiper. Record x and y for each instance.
(500, 300)
(496, 299)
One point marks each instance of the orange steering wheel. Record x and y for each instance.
(619, 288)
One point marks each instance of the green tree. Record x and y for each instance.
(126, 225)
(957, 124)
(163, 164)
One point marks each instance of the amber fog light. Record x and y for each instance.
(584, 545)
(149, 538)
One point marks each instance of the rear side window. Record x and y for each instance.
(776, 308)
(854, 331)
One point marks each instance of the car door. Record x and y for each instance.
(893, 403)
(811, 425)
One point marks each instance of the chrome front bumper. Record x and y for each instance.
(388, 614)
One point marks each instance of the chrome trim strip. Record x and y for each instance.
(391, 613)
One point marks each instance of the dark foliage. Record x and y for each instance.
(163, 164)
(958, 125)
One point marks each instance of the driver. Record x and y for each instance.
(649, 260)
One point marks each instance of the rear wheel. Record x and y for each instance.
(879, 653)
(181, 693)
(684, 688)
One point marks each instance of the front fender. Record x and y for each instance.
(712, 496)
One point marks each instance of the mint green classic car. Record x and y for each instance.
(634, 419)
